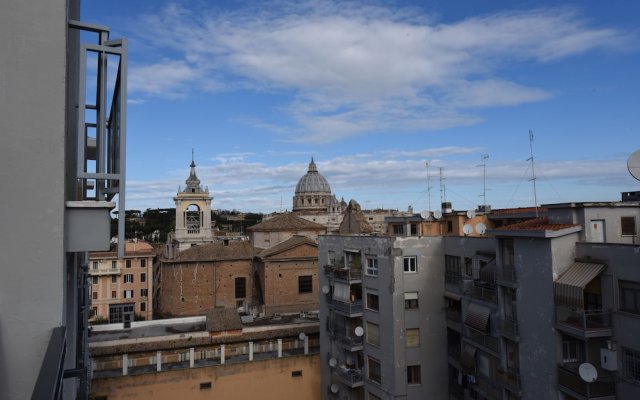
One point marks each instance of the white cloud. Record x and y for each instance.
(353, 69)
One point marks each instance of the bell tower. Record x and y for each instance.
(193, 212)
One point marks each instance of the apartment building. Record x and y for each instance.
(55, 141)
(382, 329)
(122, 288)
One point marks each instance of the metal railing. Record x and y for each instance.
(354, 307)
(452, 278)
(454, 314)
(350, 376)
(484, 293)
(509, 327)
(349, 341)
(569, 378)
(49, 383)
(486, 341)
(585, 320)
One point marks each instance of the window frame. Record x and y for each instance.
(371, 270)
(374, 372)
(631, 364)
(414, 375)
(240, 286)
(144, 292)
(626, 289)
(127, 294)
(370, 335)
(411, 303)
(128, 278)
(415, 335)
(628, 222)
(372, 301)
(408, 268)
(305, 284)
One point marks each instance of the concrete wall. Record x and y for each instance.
(193, 288)
(32, 118)
(270, 378)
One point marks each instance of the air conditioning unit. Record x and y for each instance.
(609, 359)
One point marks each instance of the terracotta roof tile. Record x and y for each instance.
(519, 210)
(284, 222)
(536, 224)
(290, 243)
(131, 248)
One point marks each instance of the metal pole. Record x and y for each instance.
(533, 171)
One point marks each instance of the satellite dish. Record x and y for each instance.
(335, 388)
(471, 214)
(467, 229)
(437, 214)
(302, 336)
(359, 331)
(325, 289)
(588, 372)
(633, 164)
(425, 214)
(481, 228)
(332, 362)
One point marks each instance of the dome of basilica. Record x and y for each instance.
(313, 182)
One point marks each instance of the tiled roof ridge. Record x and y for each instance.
(537, 224)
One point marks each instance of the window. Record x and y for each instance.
(95, 265)
(143, 263)
(128, 263)
(398, 229)
(411, 300)
(452, 268)
(507, 252)
(449, 226)
(143, 277)
(143, 306)
(296, 374)
(374, 370)
(128, 294)
(305, 284)
(372, 302)
(413, 374)
(144, 292)
(373, 334)
(93, 312)
(113, 294)
(241, 288)
(412, 336)
(414, 229)
(572, 350)
(205, 385)
(114, 279)
(94, 280)
(629, 296)
(628, 226)
(95, 296)
(410, 264)
(128, 278)
(631, 364)
(372, 266)
(114, 265)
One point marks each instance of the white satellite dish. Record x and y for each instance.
(425, 214)
(325, 289)
(437, 214)
(633, 164)
(359, 331)
(302, 336)
(481, 228)
(335, 388)
(471, 214)
(467, 229)
(332, 362)
(588, 372)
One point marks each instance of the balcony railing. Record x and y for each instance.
(350, 376)
(484, 293)
(454, 314)
(104, 271)
(49, 382)
(350, 309)
(509, 328)
(349, 341)
(588, 323)
(569, 379)
(452, 278)
(511, 378)
(343, 273)
(486, 341)
(488, 386)
(507, 274)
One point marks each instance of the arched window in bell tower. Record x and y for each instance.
(193, 219)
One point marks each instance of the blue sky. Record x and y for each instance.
(375, 89)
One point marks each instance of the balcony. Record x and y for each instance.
(510, 378)
(486, 341)
(101, 271)
(509, 328)
(340, 273)
(584, 323)
(351, 343)
(453, 279)
(506, 275)
(454, 318)
(487, 387)
(569, 382)
(352, 309)
(484, 293)
(351, 377)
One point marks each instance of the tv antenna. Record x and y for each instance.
(484, 158)
(533, 172)
(426, 164)
(443, 194)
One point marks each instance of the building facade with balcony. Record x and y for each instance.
(382, 329)
(50, 147)
(122, 288)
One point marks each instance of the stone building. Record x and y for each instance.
(122, 287)
(204, 277)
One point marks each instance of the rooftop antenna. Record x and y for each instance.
(428, 184)
(533, 171)
(443, 194)
(484, 158)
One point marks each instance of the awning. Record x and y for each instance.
(451, 295)
(468, 360)
(477, 317)
(569, 288)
